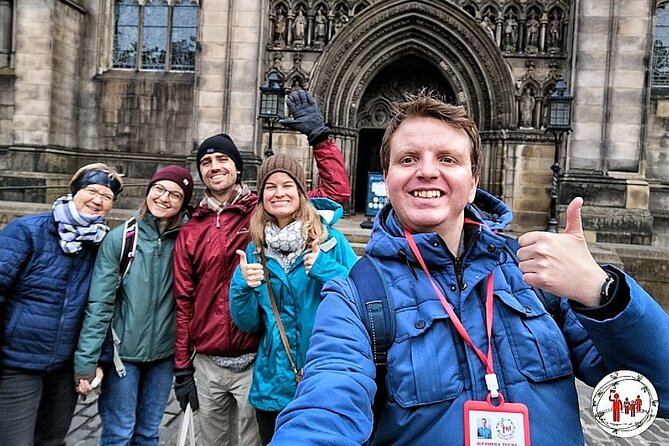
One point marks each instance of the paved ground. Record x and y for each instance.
(85, 429)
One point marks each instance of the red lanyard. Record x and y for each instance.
(490, 378)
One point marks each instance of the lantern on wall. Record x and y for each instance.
(271, 104)
(559, 123)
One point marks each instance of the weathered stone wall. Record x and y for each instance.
(229, 71)
(531, 197)
(146, 113)
(68, 24)
(6, 109)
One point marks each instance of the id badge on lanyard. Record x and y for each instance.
(505, 424)
(485, 423)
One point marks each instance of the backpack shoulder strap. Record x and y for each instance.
(374, 305)
(377, 312)
(128, 249)
(129, 246)
(550, 301)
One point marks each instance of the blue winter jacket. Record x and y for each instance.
(44, 292)
(431, 371)
(297, 297)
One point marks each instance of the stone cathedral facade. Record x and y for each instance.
(139, 83)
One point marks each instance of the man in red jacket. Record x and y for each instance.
(209, 347)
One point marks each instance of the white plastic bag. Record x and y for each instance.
(187, 429)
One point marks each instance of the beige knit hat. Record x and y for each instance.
(281, 163)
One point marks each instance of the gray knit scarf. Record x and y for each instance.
(285, 244)
(75, 228)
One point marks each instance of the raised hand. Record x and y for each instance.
(307, 118)
(252, 272)
(561, 263)
(310, 259)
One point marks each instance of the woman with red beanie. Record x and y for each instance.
(141, 310)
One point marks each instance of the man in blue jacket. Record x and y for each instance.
(472, 338)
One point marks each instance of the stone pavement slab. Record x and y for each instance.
(85, 429)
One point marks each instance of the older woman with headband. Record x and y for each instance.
(45, 272)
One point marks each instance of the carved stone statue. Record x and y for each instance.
(319, 31)
(299, 26)
(554, 31)
(510, 32)
(280, 27)
(532, 39)
(342, 20)
(527, 103)
(486, 24)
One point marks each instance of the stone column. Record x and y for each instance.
(604, 152)
(230, 72)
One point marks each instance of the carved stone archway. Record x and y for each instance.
(436, 31)
(441, 32)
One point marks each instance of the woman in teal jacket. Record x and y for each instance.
(141, 311)
(300, 252)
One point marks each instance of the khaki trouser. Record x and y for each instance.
(226, 417)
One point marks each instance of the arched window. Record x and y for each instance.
(158, 35)
(660, 77)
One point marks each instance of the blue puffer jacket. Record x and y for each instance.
(431, 371)
(44, 292)
(297, 296)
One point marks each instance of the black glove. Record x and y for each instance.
(307, 118)
(185, 390)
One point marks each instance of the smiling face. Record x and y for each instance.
(281, 197)
(164, 199)
(429, 177)
(219, 174)
(94, 199)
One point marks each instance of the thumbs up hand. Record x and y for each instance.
(310, 259)
(561, 263)
(252, 272)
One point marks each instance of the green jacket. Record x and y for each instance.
(141, 310)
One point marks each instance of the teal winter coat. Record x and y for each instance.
(298, 296)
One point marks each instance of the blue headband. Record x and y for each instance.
(101, 177)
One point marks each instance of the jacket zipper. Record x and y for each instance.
(402, 254)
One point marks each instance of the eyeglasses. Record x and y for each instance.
(159, 191)
(94, 193)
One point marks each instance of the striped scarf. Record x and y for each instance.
(75, 228)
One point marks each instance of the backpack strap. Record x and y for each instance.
(550, 301)
(128, 249)
(377, 312)
(129, 246)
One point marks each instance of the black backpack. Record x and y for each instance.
(377, 312)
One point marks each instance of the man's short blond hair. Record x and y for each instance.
(427, 105)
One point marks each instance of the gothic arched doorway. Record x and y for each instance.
(444, 40)
(408, 74)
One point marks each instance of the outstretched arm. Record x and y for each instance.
(333, 402)
(333, 177)
(628, 331)
(307, 119)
